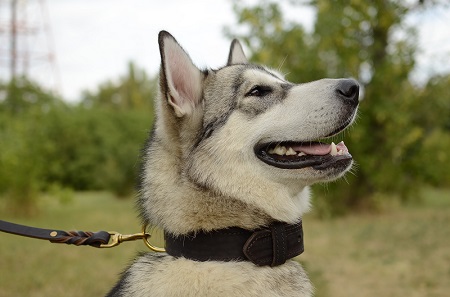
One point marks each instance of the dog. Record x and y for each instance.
(234, 149)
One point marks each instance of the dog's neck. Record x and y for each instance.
(184, 212)
(186, 208)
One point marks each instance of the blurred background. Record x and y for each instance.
(77, 82)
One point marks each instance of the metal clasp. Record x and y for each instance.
(148, 244)
(117, 238)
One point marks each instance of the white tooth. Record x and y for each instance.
(334, 151)
(301, 154)
(340, 153)
(291, 152)
(277, 151)
(271, 151)
(280, 150)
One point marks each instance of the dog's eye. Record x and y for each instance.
(259, 91)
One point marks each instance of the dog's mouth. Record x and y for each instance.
(297, 155)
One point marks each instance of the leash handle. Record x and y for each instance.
(95, 239)
(101, 239)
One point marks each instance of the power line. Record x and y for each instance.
(26, 42)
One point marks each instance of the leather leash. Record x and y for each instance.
(100, 239)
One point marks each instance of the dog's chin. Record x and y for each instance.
(331, 173)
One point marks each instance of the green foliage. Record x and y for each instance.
(22, 108)
(49, 145)
(276, 42)
(132, 91)
(94, 149)
(401, 133)
(434, 118)
(21, 95)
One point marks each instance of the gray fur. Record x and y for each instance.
(200, 171)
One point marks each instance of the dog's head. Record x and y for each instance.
(246, 133)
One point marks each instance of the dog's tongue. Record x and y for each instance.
(313, 148)
(319, 148)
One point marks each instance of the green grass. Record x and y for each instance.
(32, 267)
(402, 252)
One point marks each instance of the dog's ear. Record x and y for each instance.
(236, 55)
(181, 80)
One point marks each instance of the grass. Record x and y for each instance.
(402, 252)
(37, 268)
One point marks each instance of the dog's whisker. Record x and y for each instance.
(282, 63)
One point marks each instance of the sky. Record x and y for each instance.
(93, 40)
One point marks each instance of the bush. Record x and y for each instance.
(47, 144)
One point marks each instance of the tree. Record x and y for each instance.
(368, 40)
(46, 143)
(135, 90)
(23, 109)
(434, 118)
(20, 95)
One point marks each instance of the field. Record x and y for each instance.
(402, 252)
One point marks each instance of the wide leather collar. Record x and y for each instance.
(270, 246)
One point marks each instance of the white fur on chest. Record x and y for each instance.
(170, 277)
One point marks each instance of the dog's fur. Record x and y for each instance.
(201, 171)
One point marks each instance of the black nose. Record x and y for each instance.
(348, 90)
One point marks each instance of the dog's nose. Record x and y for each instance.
(348, 90)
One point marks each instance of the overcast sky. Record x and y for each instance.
(95, 39)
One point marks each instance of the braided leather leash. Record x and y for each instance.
(100, 239)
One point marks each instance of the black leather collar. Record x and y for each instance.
(270, 246)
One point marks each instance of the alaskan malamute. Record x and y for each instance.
(226, 174)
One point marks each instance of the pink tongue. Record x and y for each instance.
(313, 148)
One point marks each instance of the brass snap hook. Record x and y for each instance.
(117, 238)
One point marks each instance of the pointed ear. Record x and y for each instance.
(181, 79)
(236, 55)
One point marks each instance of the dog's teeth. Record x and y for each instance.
(270, 151)
(280, 150)
(301, 154)
(340, 153)
(291, 152)
(334, 151)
